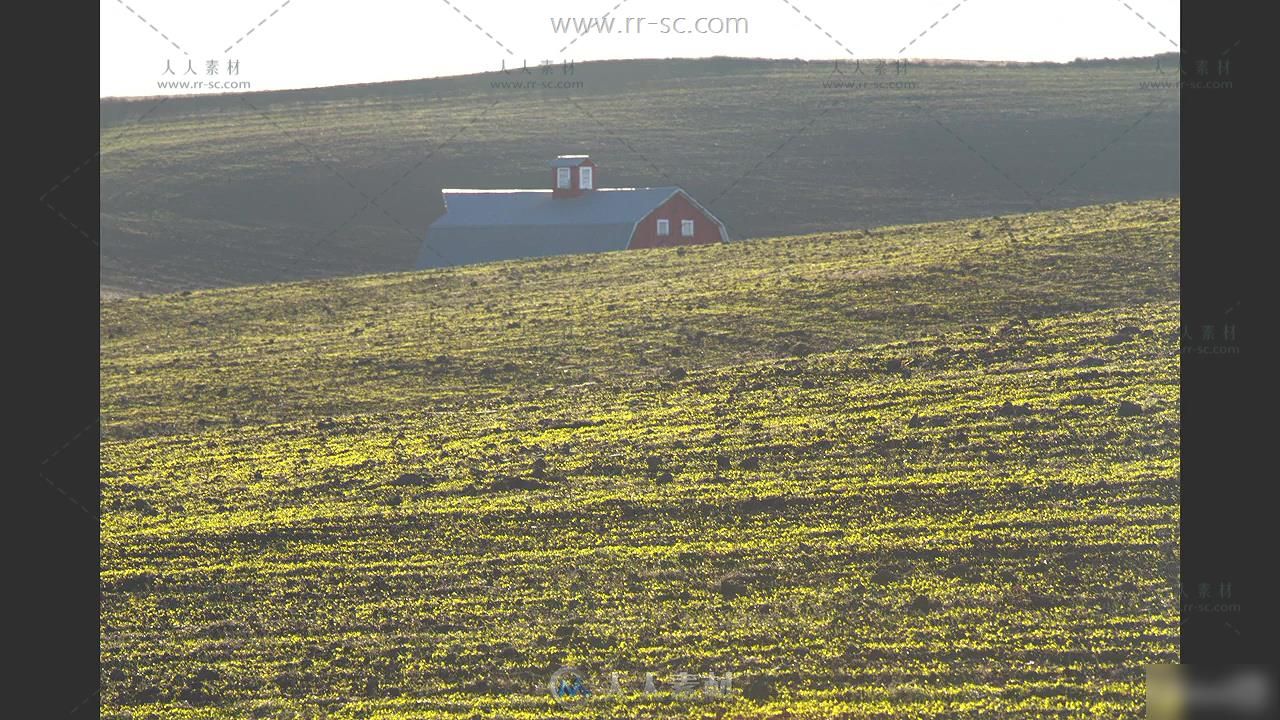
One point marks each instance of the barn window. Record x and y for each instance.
(686, 228)
(562, 178)
(584, 177)
(664, 226)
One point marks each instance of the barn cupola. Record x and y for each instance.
(572, 175)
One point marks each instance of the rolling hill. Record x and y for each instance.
(222, 190)
(924, 470)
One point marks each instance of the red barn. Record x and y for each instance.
(573, 215)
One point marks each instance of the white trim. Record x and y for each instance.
(686, 223)
(658, 229)
(724, 233)
(586, 177)
(564, 178)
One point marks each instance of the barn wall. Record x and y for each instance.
(675, 209)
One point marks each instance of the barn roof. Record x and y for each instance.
(569, 160)
(486, 225)
(537, 207)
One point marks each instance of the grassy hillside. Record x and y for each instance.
(926, 471)
(483, 335)
(237, 189)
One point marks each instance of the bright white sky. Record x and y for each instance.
(310, 43)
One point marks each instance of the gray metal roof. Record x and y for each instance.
(487, 225)
(538, 207)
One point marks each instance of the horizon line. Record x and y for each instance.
(740, 58)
